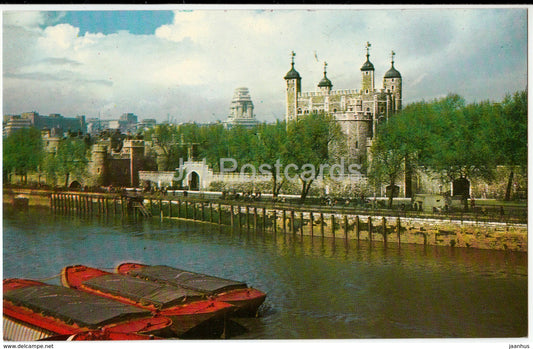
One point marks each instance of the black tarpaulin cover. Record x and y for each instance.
(72, 306)
(142, 291)
(194, 281)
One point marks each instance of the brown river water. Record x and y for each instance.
(317, 288)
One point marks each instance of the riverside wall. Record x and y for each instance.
(361, 227)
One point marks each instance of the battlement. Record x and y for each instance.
(131, 143)
(332, 92)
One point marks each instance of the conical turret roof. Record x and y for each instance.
(325, 82)
(392, 73)
(292, 74)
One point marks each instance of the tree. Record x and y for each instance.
(269, 147)
(71, 159)
(309, 142)
(167, 143)
(22, 152)
(393, 149)
(509, 135)
(459, 147)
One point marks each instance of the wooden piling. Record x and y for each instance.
(333, 225)
(292, 222)
(284, 217)
(239, 216)
(346, 227)
(370, 228)
(357, 227)
(186, 209)
(398, 230)
(211, 212)
(219, 213)
(231, 218)
(275, 218)
(322, 224)
(264, 218)
(384, 225)
(255, 218)
(301, 223)
(247, 217)
(311, 223)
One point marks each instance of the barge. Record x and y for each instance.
(246, 299)
(33, 310)
(193, 315)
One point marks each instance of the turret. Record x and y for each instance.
(392, 83)
(294, 87)
(325, 84)
(368, 73)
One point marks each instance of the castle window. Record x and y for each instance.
(356, 144)
(335, 110)
(393, 88)
(367, 109)
(392, 79)
(366, 91)
(98, 170)
(388, 90)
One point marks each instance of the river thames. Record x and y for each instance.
(317, 288)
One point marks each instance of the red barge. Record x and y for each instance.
(192, 315)
(33, 310)
(246, 299)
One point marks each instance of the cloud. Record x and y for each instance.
(190, 68)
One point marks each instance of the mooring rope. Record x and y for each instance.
(49, 278)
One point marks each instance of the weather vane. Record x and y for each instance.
(292, 57)
(325, 65)
(368, 48)
(392, 56)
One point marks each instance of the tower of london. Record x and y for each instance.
(357, 111)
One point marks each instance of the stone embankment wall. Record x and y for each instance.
(482, 235)
(286, 220)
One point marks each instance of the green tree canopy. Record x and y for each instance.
(22, 152)
(70, 159)
(309, 148)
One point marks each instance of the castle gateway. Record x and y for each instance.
(357, 111)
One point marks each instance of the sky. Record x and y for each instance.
(183, 63)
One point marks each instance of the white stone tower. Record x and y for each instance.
(392, 83)
(367, 71)
(294, 87)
